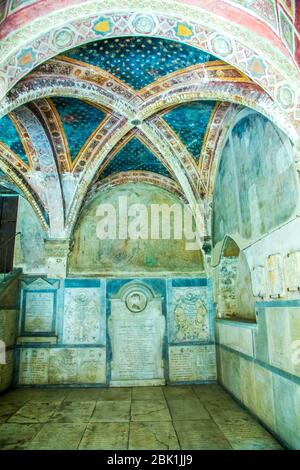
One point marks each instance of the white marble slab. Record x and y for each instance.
(62, 366)
(34, 363)
(81, 321)
(189, 315)
(236, 337)
(136, 331)
(192, 363)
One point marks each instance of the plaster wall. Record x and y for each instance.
(258, 361)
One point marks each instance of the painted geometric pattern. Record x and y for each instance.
(190, 122)
(16, 4)
(138, 61)
(265, 9)
(135, 156)
(79, 120)
(282, 15)
(10, 137)
(2, 9)
(287, 31)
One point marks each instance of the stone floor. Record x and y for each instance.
(185, 417)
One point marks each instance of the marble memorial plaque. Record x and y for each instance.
(192, 363)
(189, 316)
(72, 365)
(81, 316)
(33, 366)
(136, 330)
(39, 306)
(39, 309)
(274, 264)
(292, 271)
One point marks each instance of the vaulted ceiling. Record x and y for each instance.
(126, 107)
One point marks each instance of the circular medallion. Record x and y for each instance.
(64, 37)
(221, 45)
(136, 301)
(144, 24)
(285, 96)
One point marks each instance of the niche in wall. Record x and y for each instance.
(235, 298)
(256, 187)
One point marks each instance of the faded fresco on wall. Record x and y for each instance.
(92, 255)
(256, 188)
(29, 251)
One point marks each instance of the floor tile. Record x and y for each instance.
(7, 409)
(34, 412)
(58, 436)
(189, 417)
(115, 394)
(15, 396)
(108, 436)
(242, 431)
(15, 436)
(107, 411)
(158, 435)
(191, 408)
(182, 409)
(200, 435)
(83, 394)
(147, 393)
(255, 444)
(74, 412)
(178, 392)
(143, 410)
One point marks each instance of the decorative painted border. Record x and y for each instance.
(71, 27)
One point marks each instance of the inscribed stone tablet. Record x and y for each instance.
(81, 316)
(39, 308)
(136, 337)
(71, 365)
(192, 363)
(34, 366)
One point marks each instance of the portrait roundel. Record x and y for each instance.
(136, 301)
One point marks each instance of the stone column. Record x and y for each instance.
(57, 251)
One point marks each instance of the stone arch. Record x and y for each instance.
(250, 201)
(201, 28)
(139, 176)
(134, 108)
(18, 180)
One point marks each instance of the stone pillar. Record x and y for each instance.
(57, 251)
